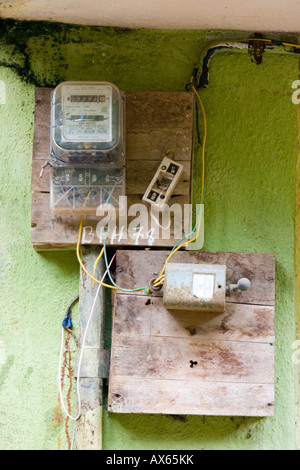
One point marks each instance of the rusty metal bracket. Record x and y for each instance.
(257, 49)
(95, 363)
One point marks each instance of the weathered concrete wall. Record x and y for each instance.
(249, 206)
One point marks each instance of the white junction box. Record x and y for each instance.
(163, 183)
(199, 287)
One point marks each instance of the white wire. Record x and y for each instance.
(157, 221)
(75, 418)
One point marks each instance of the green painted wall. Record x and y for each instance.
(250, 204)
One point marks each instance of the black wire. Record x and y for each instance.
(203, 79)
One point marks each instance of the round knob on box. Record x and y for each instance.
(243, 284)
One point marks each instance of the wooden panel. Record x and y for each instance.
(137, 268)
(155, 122)
(185, 362)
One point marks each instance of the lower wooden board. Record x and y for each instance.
(200, 398)
(187, 362)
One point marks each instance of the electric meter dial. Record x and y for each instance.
(87, 125)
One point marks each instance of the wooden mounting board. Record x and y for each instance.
(232, 352)
(155, 122)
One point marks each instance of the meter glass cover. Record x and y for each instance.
(87, 124)
(87, 113)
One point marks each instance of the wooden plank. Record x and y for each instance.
(41, 141)
(89, 426)
(239, 322)
(170, 358)
(155, 122)
(158, 110)
(57, 232)
(131, 395)
(136, 268)
(142, 145)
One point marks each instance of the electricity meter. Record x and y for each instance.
(87, 146)
(87, 124)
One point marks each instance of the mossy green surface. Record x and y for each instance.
(249, 206)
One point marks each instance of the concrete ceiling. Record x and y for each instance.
(251, 15)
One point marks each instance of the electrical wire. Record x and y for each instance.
(109, 286)
(78, 249)
(96, 264)
(177, 247)
(75, 418)
(207, 53)
(275, 42)
(196, 229)
(113, 282)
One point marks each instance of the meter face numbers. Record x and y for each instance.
(87, 113)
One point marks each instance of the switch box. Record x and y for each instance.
(199, 287)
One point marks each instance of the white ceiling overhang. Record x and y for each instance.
(251, 15)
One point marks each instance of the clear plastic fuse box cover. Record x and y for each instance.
(83, 190)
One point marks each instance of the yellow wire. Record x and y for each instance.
(78, 250)
(253, 39)
(204, 137)
(160, 279)
(80, 260)
(268, 41)
(291, 45)
(156, 283)
(170, 151)
(96, 262)
(183, 244)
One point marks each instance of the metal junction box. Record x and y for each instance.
(199, 287)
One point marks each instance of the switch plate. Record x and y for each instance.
(199, 287)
